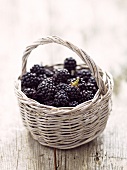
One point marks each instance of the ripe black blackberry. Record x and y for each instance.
(37, 69)
(29, 80)
(61, 76)
(84, 73)
(61, 99)
(46, 90)
(85, 96)
(31, 93)
(73, 103)
(70, 64)
(73, 92)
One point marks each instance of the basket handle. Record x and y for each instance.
(85, 57)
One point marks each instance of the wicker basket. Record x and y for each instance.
(66, 128)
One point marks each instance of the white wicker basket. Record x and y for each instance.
(66, 128)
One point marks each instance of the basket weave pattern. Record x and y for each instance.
(66, 128)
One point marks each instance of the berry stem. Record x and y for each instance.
(75, 83)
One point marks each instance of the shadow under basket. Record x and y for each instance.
(67, 127)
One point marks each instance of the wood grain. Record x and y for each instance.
(109, 151)
(19, 151)
(23, 22)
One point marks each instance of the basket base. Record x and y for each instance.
(64, 147)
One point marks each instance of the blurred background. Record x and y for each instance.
(98, 27)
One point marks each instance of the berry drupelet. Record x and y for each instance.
(29, 80)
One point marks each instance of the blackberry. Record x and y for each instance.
(73, 92)
(46, 90)
(29, 92)
(70, 64)
(61, 99)
(29, 80)
(37, 69)
(84, 73)
(85, 96)
(73, 103)
(61, 75)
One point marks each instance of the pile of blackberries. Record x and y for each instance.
(66, 87)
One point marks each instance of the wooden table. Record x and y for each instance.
(19, 151)
(21, 23)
